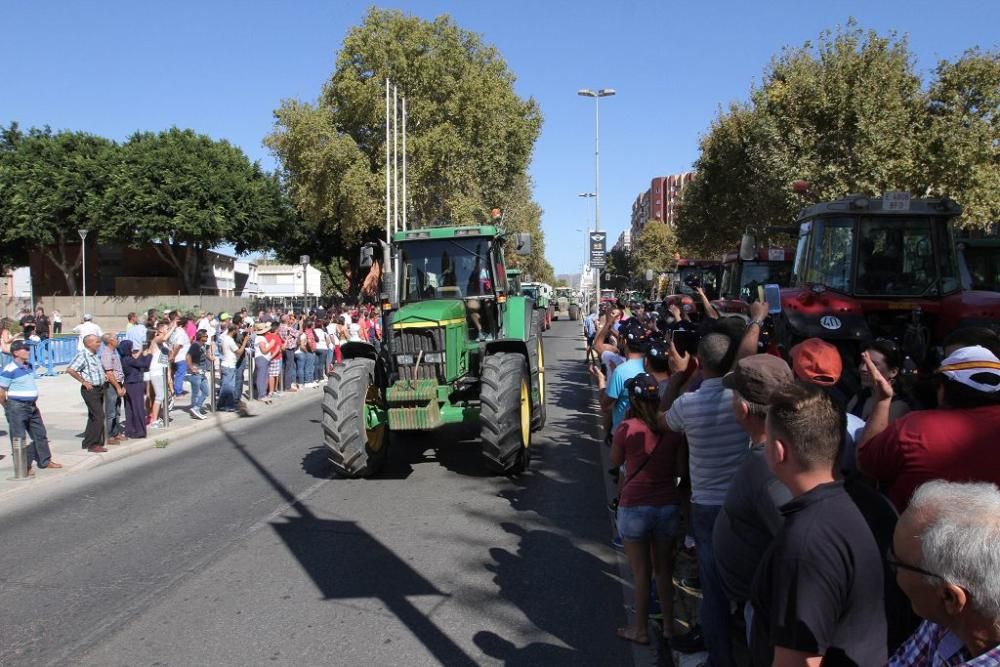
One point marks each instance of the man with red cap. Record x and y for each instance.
(956, 442)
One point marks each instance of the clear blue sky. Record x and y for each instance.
(113, 67)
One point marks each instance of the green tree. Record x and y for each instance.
(655, 249)
(469, 136)
(51, 185)
(963, 135)
(182, 193)
(842, 115)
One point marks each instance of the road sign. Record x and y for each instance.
(597, 249)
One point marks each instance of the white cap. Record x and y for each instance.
(975, 367)
(87, 317)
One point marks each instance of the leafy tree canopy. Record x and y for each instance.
(655, 248)
(184, 192)
(469, 136)
(51, 185)
(847, 114)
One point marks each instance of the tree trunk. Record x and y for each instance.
(68, 269)
(167, 252)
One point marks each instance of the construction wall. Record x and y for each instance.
(110, 312)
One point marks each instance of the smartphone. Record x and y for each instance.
(772, 295)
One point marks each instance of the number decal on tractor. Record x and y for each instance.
(830, 322)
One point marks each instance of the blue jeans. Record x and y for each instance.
(714, 614)
(309, 372)
(180, 372)
(112, 412)
(227, 390)
(24, 419)
(300, 367)
(322, 361)
(288, 368)
(199, 389)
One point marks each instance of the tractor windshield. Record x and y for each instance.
(824, 253)
(753, 275)
(901, 256)
(445, 268)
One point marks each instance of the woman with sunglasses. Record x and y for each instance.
(648, 504)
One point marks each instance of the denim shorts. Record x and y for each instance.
(645, 522)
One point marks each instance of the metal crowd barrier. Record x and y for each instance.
(46, 354)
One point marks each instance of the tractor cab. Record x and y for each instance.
(744, 275)
(979, 263)
(693, 273)
(868, 268)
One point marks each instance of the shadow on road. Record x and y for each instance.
(346, 562)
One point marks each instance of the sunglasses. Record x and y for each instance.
(895, 565)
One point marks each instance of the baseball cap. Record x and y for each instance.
(635, 334)
(225, 316)
(757, 377)
(817, 362)
(87, 317)
(19, 345)
(642, 387)
(657, 346)
(975, 367)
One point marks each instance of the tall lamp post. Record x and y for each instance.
(597, 95)
(586, 247)
(83, 248)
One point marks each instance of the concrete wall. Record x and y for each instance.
(110, 312)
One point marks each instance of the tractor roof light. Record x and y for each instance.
(860, 202)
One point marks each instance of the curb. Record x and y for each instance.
(126, 451)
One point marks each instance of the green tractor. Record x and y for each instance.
(567, 303)
(460, 346)
(541, 296)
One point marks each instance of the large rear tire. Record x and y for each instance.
(538, 359)
(505, 412)
(356, 448)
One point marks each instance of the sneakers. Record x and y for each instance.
(157, 424)
(617, 543)
(198, 414)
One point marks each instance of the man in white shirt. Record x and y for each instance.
(86, 328)
(179, 343)
(230, 352)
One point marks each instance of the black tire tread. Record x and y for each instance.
(500, 406)
(343, 420)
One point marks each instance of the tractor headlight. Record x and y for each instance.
(404, 359)
(434, 357)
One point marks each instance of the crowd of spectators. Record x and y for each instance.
(841, 511)
(130, 381)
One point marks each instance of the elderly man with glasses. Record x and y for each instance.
(946, 556)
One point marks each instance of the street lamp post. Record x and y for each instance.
(83, 248)
(597, 95)
(586, 247)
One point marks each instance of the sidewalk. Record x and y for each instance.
(65, 416)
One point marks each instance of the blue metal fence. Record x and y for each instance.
(48, 353)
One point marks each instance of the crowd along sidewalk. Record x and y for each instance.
(65, 417)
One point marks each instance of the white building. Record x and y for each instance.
(286, 280)
(247, 284)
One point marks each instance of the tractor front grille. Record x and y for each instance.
(412, 341)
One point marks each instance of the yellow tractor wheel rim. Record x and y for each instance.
(541, 373)
(525, 414)
(375, 436)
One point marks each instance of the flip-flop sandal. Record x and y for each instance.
(623, 633)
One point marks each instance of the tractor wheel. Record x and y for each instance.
(505, 412)
(538, 358)
(574, 313)
(357, 443)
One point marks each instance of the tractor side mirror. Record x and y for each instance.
(522, 243)
(367, 255)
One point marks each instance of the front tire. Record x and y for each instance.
(505, 412)
(355, 447)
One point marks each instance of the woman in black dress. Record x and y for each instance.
(135, 363)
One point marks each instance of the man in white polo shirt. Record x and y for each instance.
(718, 445)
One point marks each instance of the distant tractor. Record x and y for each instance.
(567, 304)
(745, 272)
(541, 296)
(868, 268)
(459, 347)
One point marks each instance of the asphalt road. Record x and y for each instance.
(240, 549)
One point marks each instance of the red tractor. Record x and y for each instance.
(868, 268)
(744, 274)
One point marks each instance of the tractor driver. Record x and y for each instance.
(478, 305)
